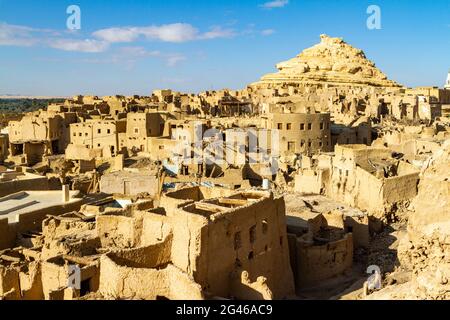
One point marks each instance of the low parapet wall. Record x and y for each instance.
(13, 186)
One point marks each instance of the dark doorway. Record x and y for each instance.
(85, 287)
(55, 147)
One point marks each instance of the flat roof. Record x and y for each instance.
(12, 175)
(24, 202)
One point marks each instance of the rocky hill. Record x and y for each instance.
(332, 61)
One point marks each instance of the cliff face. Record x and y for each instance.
(331, 61)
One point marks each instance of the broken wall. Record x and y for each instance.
(7, 234)
(122, 282)
(251, 237)
(316, 263)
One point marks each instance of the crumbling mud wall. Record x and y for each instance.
(9, 282)
(31, 282)
(137, 229)
(426, 249)
(123, 282)
(55, 278)
(20, 277)
(129, 183)
(152, 256)
(33, 220)
(250, 237)
(356, 181)
(183, 196)
(317, 262)
(310, 181)
(424, 252)
(8, 234)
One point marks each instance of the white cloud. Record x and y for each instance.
(173, 60)
(267, 32)
(275, 4)
(101, 40)
(129, 56)
(116, 34)
(138, 52)
(175, 32)
(87, 45)
(134, 53)
(13, 35)
(218, 32)
(23, 36)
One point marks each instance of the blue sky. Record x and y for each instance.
(135, 46)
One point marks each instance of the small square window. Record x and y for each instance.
(280, 126)
(309, 126)
(302, 126)
(288, 126)
(291, 146)
(99, 131)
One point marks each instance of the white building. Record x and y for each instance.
(447, 83)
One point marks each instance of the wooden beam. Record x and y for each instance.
(9, 258)
(238, 202)
(209, 207)
(78, 260)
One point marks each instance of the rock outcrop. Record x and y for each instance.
(332, 61)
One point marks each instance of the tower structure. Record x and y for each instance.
(447, 83)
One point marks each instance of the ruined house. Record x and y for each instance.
(371, 179)
(230, 246)
(320, 247)
(37, 135)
